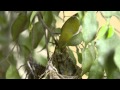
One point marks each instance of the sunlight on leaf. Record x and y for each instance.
(117, 57)
(102, 31)
(89, 26)
(110, 31)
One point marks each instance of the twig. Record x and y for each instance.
(117, 30)
(63, 16)
(21, 66)
(32, 71)
(43, 23)
(46, 40)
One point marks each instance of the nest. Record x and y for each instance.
(52, 73)
(60, 66)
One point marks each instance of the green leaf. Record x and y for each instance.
(89, 26)
(19, 25)
(36, 34)
(111, 69)
(25, 50)
(56, 12)
(3, 20)
(75, 40)
(96, 71)
(87, 61)
(12, 73)
(81, 15)
(3, 40)
(20, 11)
(48, 17)
(117, 14)
(24, 40)
(102, 31)
(105, 46)
(28, 25)
(110, 31)
(33, 15)
(71, 55)
(109, 14)
(79, 57)
(41, 59)
(92, 50)
(106, 49)
(117, 57)
(69, 29)
(55, 18)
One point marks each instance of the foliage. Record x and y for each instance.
(26, 38)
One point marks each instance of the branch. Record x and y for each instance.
(64, 16)
(43, 23)
(47, 45)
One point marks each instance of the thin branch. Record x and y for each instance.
(43, 23)
(32, 71)
(46, 40)
(117, 30)
(64, 16)
(21, 66)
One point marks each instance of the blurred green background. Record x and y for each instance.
(7, 58)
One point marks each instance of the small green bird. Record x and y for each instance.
(70, 27)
